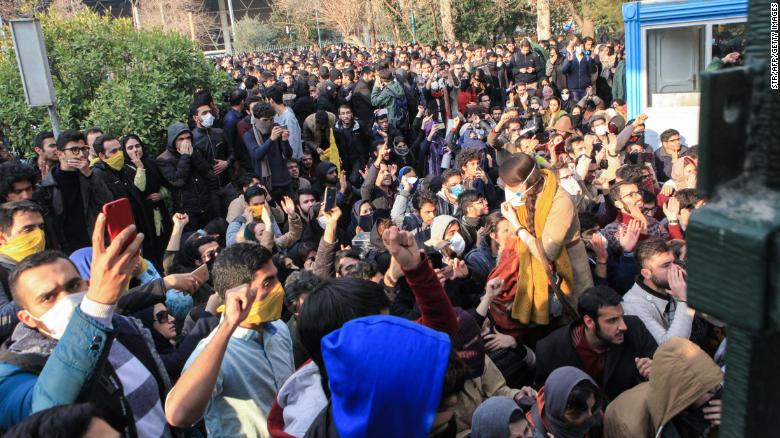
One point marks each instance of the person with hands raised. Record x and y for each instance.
(659, 296)
(73, 327)
(269, 150)
(628, 199)
(223, 382)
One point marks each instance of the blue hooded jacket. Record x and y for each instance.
(385, 376)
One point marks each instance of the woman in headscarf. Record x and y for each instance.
(544, 219)
(500, 417)
(568, 405)
(148, 179)
(161, 324)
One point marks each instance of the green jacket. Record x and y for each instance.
(385, 97)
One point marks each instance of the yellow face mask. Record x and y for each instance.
(267, 310)
(24, 245)
(116, 161)
(257, 211)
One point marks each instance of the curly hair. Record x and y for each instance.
(468, 154)
(12, 172)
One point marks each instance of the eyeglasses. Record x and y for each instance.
(630, 195)
(673, 139)
(78, 150)
(162, 316)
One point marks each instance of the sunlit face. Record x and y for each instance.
(110, 148)
(427, 213)
(164, 321)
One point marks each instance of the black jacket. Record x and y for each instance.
(94, 194)
(213, 145)
(353, 144)
(519, 61)
(186, 175)
(121, 186)
(620, 372)
(361, 102)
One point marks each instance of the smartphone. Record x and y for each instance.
(118, 216)
(201, 273)
(330, 198)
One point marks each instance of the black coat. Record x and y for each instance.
(187, 176)
(353, 144)
(361, 103)
(620, 372)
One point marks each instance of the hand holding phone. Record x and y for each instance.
(330, 199)
(119, 216)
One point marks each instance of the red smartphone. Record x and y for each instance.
(118, 216)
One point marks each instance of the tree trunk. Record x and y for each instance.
(371, 24)
(396, 34)
(445, 11)
(587, 27)
(543, 19)
(435, 24)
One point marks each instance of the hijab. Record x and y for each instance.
(557, 389)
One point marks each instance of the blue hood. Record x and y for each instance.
(385, 376)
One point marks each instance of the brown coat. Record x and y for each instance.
(311, 135)
(490, 384)
(563, 229)
(682, 372)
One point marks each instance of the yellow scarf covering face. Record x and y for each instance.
(116, 161)
(332, 153)
(267, 310)
(531, 299)
(23, 245)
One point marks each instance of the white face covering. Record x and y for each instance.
(57, 318)
(516, 199)
(600, 130)
(207, 120)
(571, 186)
(457, 243)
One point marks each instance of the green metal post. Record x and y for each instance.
(734, 244)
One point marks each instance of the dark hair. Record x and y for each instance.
(275, 94)
(92, 131)
(9, 209)
(304, 192)
(648, 249)
(255, 191)
(127, 137)
(244, 180)
(250, 82)
(688, 198)
(71, 420)
(449, 173)
(68, 136)
(365, 270)
(669, 133)
(263, 109)
(250, 100)
(614, 191)
(333, 303)
(468, 154)
(386, 75)
(580, 394)
(99, 143)
(516, 169)
(43, 135)
(237, 265)
(422, 198)
(588, 220)
(467, 198)
(237, 96)
(300, 283)
(189, 251)
(45, 257)
(491, 226)
(633, 173)
(595, 298)
(12, 172)
(568, 146)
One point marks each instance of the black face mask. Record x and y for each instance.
(366, 221)
(576, 120)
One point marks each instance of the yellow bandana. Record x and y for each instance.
(267, 310)
(116, 162)
(24, 245)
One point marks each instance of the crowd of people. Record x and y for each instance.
(402, 241)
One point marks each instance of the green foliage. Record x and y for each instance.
(252, 34)
(478, 22)
(108, 75)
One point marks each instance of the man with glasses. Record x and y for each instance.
(72, 195)
(631, 225)
(671, 149)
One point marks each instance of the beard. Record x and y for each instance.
(663, 283)
(610, 340)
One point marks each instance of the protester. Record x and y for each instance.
(504, 179)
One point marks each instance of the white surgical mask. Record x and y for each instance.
(600, 130)
(571, 186)
(499, 64)
(564, 97)
(516, 199)
(323, 221)
(457, 243)
(578, 50)
(57, 318)
(412, 180)
(207, 120)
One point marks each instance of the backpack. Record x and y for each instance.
(401, 112)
